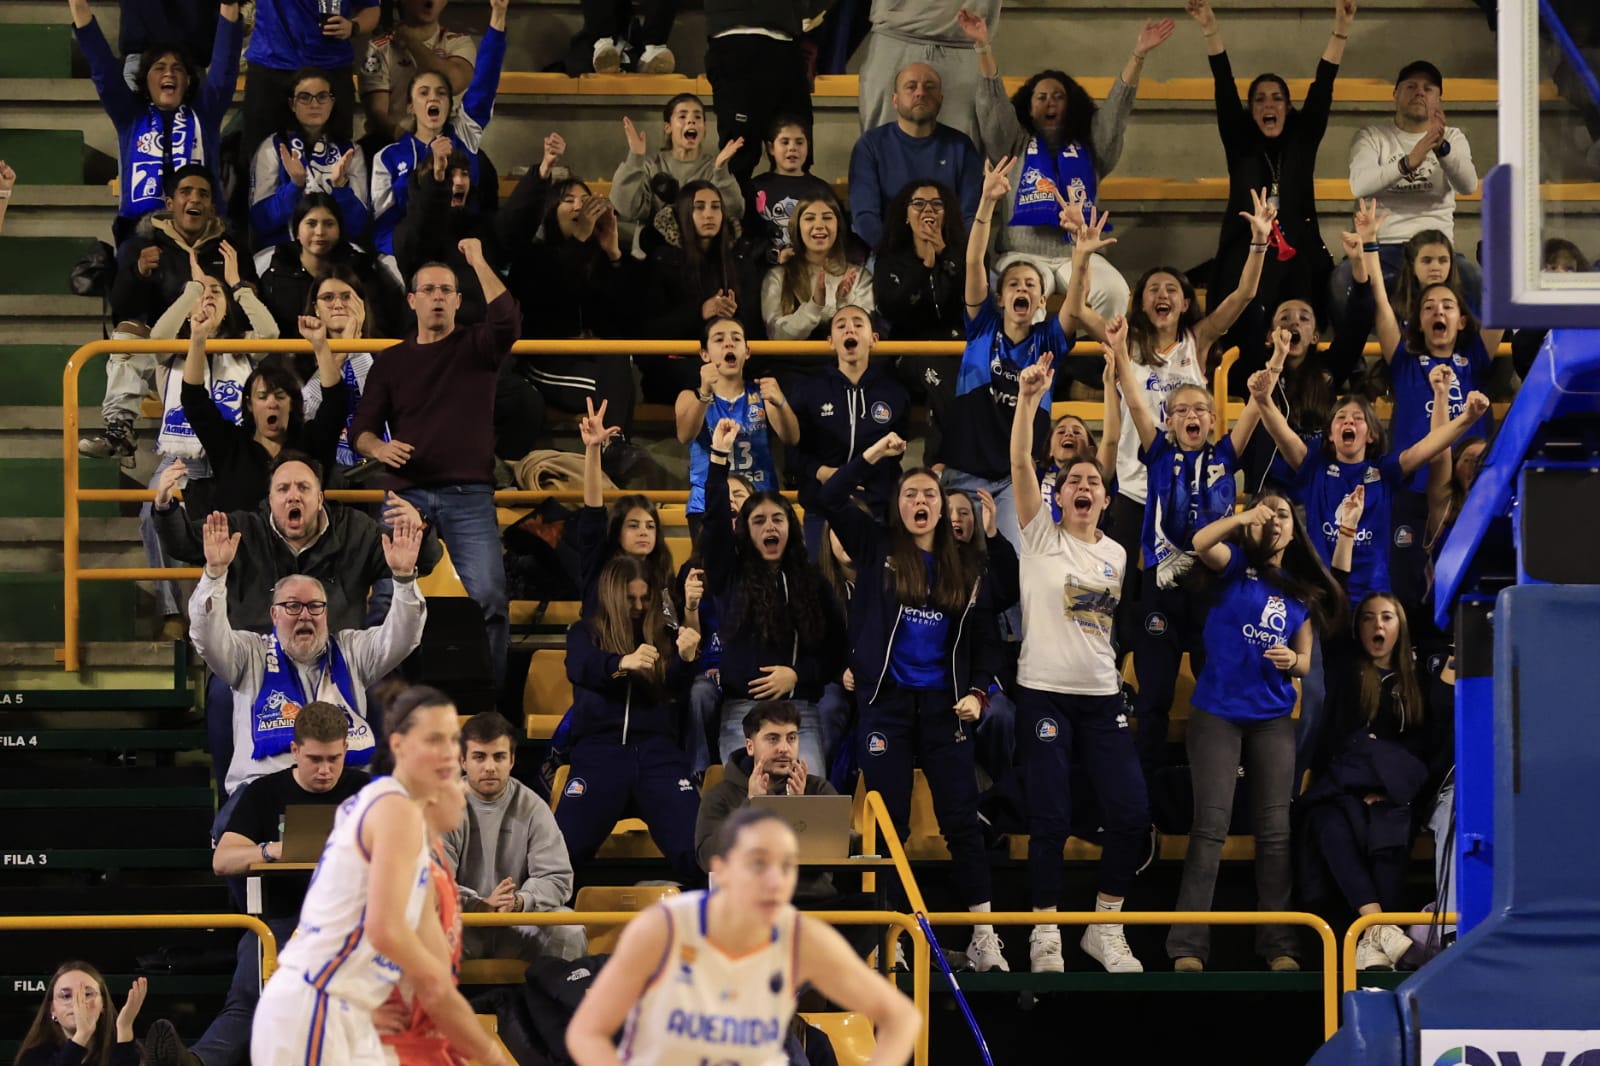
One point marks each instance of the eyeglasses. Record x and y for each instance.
(312, 98)
(1186, 409)
(920, 204)
(442, 290)
(294, 608)
(332, 298)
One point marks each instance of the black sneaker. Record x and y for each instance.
(115, 442)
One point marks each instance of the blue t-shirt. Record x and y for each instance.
(751, 453)
(917, 658)
(1321, 484)
(1185, 492)
(288, 36)
(986, 392)
(1250, 615)
(1413, 396)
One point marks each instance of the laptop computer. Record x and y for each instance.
(820, 823)
(305, 830)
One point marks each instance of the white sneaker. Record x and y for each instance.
(657, 59)
(1044, 950)
(984, 952)
(1106, 945)
(1381, 947)
(607, 56)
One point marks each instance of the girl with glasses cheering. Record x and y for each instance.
(305, 157)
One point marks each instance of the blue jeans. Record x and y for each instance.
(731, 736)
(705, 696)
(464, 517)
(227, 1040)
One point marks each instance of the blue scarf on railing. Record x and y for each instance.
(281, 696)
(1069, 170)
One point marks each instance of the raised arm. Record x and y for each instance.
(1262, 219)
(1089, 230)
(1289, 443)
(1144, 423)
(996, 186)
(1111, 417)
(594, 434)
(1344, 545)
(1033, 385)
(202, 325)
(1441, 468)
(488, 279)
(1368, 222)
(1151, 34)
(689, 413)
(1200, 11)
(1211, 542)
(1344, 15)
(1250, 417)
(1441, 439)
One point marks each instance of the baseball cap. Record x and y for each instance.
(1421, 67)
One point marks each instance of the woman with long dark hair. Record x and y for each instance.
(1067, 145)
(782, 631)
(1273, 590)
(307, 158)
(318, 245)
(921, 638)
(1271, 144)
(70, 1025)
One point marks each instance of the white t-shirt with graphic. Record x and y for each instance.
(1070, 590)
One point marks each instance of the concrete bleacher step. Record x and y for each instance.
(44, 156)
(32, 50)
(40, 266)
(33, 375)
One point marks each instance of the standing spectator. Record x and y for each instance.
(921, 274)
(643, 185)
(800, 296)
(1066, 145)
(249, 830)
(1417, 166)
(757, 70)
(306, 157)
(775, 193)
(627, 672)
(434, 394)
(436, 112)
(415, 44)
(508, 853)
(1271, 144)
(169, 120)
(927, 33)
(73, 1013)
(916, 146)
(610, 25)
(288, 36)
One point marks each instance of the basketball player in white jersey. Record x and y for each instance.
(712, 977)
(362, 924)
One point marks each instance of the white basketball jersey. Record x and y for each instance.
(701, 1006)
(330, 950)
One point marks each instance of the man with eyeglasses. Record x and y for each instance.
(915, 147)
(435, 394)
(274, 675)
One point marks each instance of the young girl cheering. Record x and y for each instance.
(1069, 695)
(1273, 589)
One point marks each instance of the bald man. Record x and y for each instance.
(915, 147)
(925, 31)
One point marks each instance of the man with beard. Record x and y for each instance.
(916, 146)
(274, 675)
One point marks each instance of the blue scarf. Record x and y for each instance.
(1183, 504)
(159, 143)
(281, 696)
(348, 456)
(1070, 170)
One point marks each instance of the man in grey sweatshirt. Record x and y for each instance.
(508, 854)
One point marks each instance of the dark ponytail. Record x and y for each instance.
(399, 707)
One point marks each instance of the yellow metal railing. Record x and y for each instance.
(1367, 921)
(50, 923)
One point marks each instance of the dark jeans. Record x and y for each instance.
(1054, 726)
(609, 18)
(227, 1040)
(754, 79)
(464, 516)
(1127, 519)
(219, 730)
(1363, 875)
(1171, 621)
(1215, 745)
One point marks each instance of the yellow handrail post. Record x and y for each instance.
(878, 812)
(1219, 392)
(1367, 921)
(53, 922)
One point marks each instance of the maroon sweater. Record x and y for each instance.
(439, 398)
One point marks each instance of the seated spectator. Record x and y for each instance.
(783, 634)
(319, 247)
(435, 112)
(775, 193)
(924, 33)
(288, 36)
(758, 408)
(507, 853)
(273, 675)
(1066, 146)
(169, 120)
(643, 185)
(153, 269)
(758, 69)
(704, 720)
(800, 296)
(248, 830)
(569, 272)
(146, 24)
(304, 158)
(443, 210)
(1561, 256)
(915, 147)
(610, 26)
(921, 272)
(1417, 166)
(632, 526)
(1270, 144)
(73, 1013)
(415, 44)
(432, 396)
(697, 273)
(627, 673)
(1374, 774)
